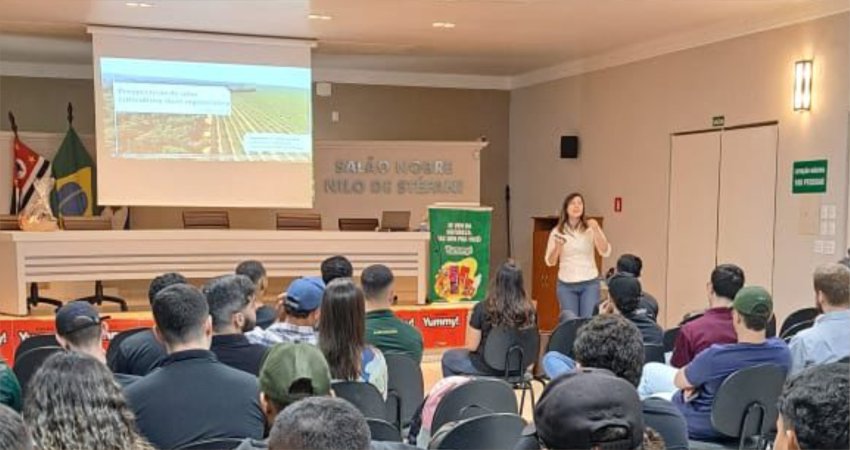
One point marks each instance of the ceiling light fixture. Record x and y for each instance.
(138, 5)
(324, 17)
(803, 85)
(443, 25)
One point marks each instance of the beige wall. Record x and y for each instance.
(365, 113)
(624, 116)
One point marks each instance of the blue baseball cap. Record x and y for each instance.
(305, 294)
(75, 316)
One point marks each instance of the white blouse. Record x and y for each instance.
(576, 262)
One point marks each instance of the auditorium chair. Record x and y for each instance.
(358, 224)
(670, 339)
(477, 397)
(744, 408)
(501, 430)
(795, 318)
(206, 220)
(513, 352)
(28, 363)
(35, 341)
(94, 223)
(298, 221)
(213, 444)
(653, 353)
(405, 388)
(383, 431)
(565, 335)
(364, 396)
(9, 222)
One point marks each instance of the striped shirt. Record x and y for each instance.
(280, 332)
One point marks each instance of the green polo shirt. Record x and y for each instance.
(392, 335)
(10, 390)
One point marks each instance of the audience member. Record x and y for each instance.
(624, 292)
(715, 325)
(828, 340)
(632, 264)
(589, 409)
(342, 336)
(300, 305)
(233, 308)
(292, 372)
(505, 305)
(14, 434)
(692, 388)
(10, 390)
(73, 403)
(142, 352)
(79, 328)
(614, 343)
(255, 271)
(336, 267)
(320, 423)
(383, 329)
(813, 409)
(192, 396)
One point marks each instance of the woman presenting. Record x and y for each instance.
(571, 246)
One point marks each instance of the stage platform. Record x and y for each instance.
(443, 325)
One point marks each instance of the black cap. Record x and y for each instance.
(75, 316)
(623, 286)
(575, 406)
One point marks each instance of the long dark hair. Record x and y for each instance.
(342, 328)
(73, 402)
(563, 219)
(506, 303)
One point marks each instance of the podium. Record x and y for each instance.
(544, 279)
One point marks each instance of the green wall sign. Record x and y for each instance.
(809, 177)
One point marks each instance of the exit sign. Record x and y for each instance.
(718, 121)
(809, 177)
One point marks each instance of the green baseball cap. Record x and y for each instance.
(753, 301)
(289, 363)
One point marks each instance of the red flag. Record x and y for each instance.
(29, 167)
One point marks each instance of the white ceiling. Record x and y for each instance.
(492, 37)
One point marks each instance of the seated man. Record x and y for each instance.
(79, 328)
(292, 372)
(813, 409)
(383, 329)
(828, 340)
(336, 267)
(692, 388)
(142, 352)
(607, 416)
(233, 309)
(611, 342)
(624, 291)
(14, 434)
(320, 423)
(715, 325)
(301, 306)
(192, 396)
(257, 273)
(632, 264)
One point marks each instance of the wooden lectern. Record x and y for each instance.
(544, 279)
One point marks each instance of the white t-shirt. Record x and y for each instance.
(577, 262)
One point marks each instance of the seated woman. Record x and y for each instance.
(506, 305)
(342, 336)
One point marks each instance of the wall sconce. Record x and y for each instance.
(803, 85)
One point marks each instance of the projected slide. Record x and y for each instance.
(157, 109)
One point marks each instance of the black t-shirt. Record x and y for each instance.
(481, 322)
(138, 355)
(651, 332)
(236, 351)
(649, 304)
(193, 397)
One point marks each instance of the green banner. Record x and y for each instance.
(809, 177)
(460, 253)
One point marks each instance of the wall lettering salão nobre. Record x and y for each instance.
(393, 176)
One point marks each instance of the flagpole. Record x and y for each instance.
(13, 208)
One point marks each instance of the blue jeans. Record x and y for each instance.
(580, 298)
(457, 362)
(556, 363)
(658, 380)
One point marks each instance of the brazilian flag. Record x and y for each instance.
(73, 170)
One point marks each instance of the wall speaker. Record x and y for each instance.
(569, 147)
